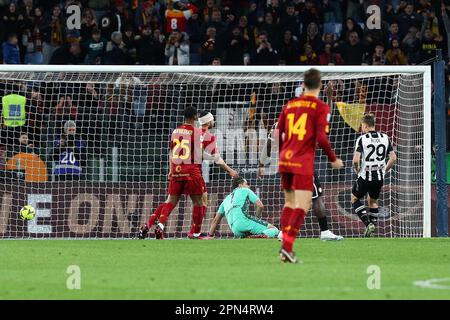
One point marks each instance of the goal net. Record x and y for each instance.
(90, 152)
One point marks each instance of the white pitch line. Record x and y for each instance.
(433, 284)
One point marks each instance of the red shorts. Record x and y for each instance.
(292, 181)
(195, 186)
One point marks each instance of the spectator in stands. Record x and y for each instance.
(289, 51)
(275, 9)
(235, 48)
(395, 55)
(328, 38)
(11, 51)
(272, 30)
(349, 27)
(264, 54)
(148, 49)
(389, 13)
(95, 47)
(145, 16)
(310, 13)
(428, 47)
(54, 34)
(194, 29)
(247, 32)
(354, 9)
(115, 52)
(68, 54)
(252, 13)
(24, 145)
(393, 32)
(290, 20)
(217, 23)
(352, 51)
(330, 58)
(210, 48)
(177, 15)
(65, 109)
(12, 19)
(332, 11)
(378, 56)
(99, 7)
(130, 40)
(88, 24)
(27, 10)
(216, 62)
(309, 57)
(208, 10)
(32, 38)
(411, 43)
(160, 40)
(313, 37)
(69, 153)
(177, 48)
(407, 19)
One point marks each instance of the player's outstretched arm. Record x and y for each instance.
(220, 162)
(391, 161)
(214, 224)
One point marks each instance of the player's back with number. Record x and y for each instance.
(299, 123)
(185, 149)
(374, 147)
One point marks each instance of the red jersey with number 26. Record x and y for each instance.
(303, 123)
(186, 153)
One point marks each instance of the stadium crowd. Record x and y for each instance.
(231, 32)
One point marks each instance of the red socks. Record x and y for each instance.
(285, 216)
(155, 215)
(197, 219)
(165, 212)
(291, 231)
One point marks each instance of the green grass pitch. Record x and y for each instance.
(222, 269)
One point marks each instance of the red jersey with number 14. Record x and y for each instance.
(303, 123)
(186, 152)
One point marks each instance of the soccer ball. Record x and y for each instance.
(27, 213)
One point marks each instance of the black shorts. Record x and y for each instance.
(362, 187)
(317, 187)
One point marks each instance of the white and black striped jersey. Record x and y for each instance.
(374, 148)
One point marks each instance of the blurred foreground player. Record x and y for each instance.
(317, 201)
(303, 123)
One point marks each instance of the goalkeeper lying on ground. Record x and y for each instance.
(235, 206)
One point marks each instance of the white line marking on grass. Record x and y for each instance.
(433, 284)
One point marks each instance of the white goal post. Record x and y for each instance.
(123, 116)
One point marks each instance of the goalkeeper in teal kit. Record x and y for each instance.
(235, 208)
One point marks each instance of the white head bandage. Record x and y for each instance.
(206, 118)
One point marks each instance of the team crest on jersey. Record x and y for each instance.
(178, 169)
(289, 154)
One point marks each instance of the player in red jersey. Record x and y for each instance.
(185, 174)
(303, 123)
(210, 150)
